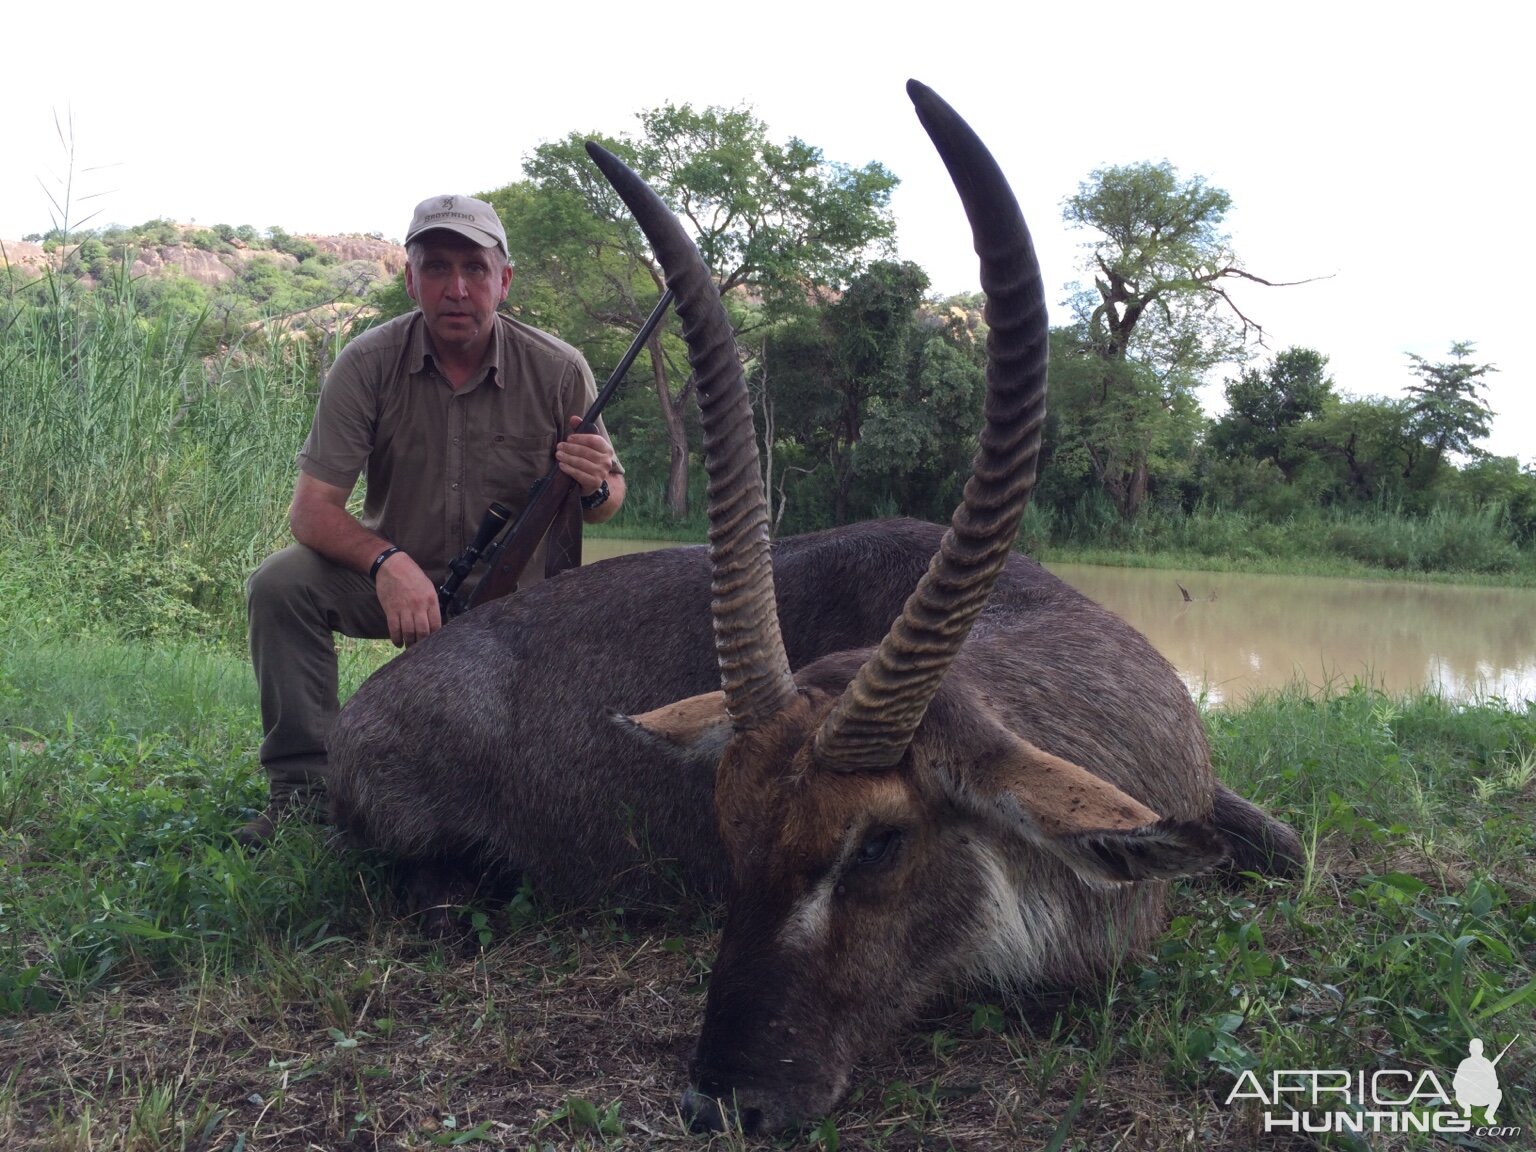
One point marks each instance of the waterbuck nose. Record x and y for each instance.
(703, 1112)
(706, 1113)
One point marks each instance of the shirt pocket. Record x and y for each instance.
(514, 465)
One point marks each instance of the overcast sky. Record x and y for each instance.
(1385, 146)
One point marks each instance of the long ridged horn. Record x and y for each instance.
(872, 723)
(754, 670)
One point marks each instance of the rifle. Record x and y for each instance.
(510, 555)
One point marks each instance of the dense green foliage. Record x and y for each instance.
(1150, 327)
(868, 392)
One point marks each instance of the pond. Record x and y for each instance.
(1239, 634)
(1242, 633)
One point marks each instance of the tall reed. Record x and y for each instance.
(126, 452)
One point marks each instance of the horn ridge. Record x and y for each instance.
(871, 725)
(754, 668)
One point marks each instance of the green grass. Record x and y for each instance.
(1445, 547)
(143, 482)
(161, 990)
(1449, 545)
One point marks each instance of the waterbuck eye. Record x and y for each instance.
(877, 847)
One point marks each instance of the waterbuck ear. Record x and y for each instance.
(1100, 832)
(698, 727)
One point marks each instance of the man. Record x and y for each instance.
(444, 410)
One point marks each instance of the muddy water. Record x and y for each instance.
(1263, 631)
(1242, 634)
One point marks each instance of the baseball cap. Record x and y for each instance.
(474, 219)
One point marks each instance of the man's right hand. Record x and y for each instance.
(409, 600)
(320, 520)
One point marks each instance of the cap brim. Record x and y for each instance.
(468, 231)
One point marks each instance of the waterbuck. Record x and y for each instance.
(997, 790)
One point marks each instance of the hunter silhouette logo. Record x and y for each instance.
(1383, 1100)
(1477, 1081)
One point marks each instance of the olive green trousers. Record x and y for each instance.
(295, 603)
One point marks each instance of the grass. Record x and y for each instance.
(1449, 544)
(1294, 565)
(161, 990)
(145, 482)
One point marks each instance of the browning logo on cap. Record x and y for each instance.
(473, 219)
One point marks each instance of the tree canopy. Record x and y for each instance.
(1265, 409)
(867, 389)
(1447, 412)
(777, 221)
(1158, 316)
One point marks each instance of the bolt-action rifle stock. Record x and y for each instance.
(509, 556)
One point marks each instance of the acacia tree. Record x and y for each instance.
(1158, 316)
(777, 221)
(1447, 413)
(1118, 421)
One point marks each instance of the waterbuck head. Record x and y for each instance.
(888, 827)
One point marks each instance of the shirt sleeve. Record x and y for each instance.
(341, 437)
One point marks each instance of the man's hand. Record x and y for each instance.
(320, 520)
(586, 457)
(409, 600)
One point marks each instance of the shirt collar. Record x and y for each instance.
(421, 359)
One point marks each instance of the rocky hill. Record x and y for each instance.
(194, 258)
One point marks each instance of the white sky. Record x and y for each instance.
(1385, 145)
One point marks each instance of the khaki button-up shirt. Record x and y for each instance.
(434, 459)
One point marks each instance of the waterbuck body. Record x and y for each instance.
(493, 745)
(908, 757)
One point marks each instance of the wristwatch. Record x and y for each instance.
(595, 499)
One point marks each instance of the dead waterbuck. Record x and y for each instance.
(998, 791)
(985, 795)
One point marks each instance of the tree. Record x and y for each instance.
(1159, 314)
(778, 222)
(1499, 481)
(776, 218)
(1364, 440)
(871, 332)
(918, 445)
(1122, 422)
(1264, 409)
(1447, 413)
(877, 394)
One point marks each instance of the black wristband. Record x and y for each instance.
(378, 562)
(596, 498)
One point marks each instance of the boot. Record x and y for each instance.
(287, 800)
